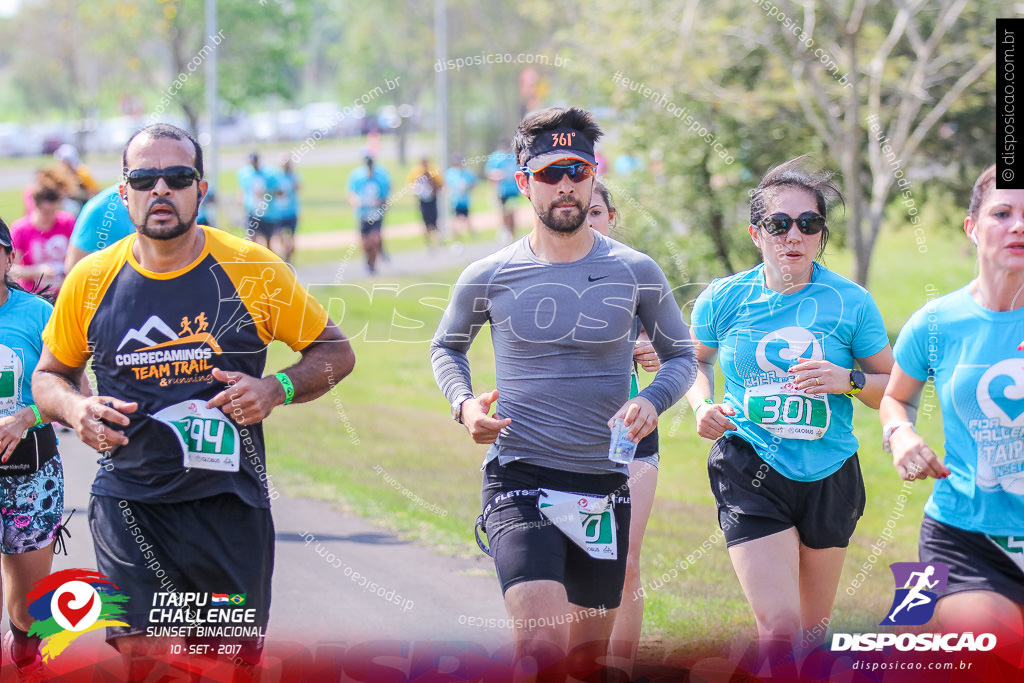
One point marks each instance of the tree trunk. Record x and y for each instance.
(850, 165)
(716, 219)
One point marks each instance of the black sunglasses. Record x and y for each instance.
(809, 223)
(176, 177)
(553, 174)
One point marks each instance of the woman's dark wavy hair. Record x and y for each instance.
(796, 173)
(12, 283)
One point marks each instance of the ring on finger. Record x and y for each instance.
(818, 380)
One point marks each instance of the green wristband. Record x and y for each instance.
(708, 401)
(39, 418)
(289, 388)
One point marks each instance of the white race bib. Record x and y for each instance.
(209, 440)
(587, 520)
(10, 380)
(782, 410)
(1012, 547)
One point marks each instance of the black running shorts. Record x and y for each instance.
(526, 546)
(976, 561)
(211, 545)
(755, 501)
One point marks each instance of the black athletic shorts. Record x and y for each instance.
(288, 224)
(647, 449)
(210, 545)
(528, 547)
(428, 209)
(369, 226)
(462, 211)
(755, 501)
(976, 561)
(258, 225)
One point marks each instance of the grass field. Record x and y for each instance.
(383, 445)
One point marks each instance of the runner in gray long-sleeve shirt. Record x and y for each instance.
(563, 340)
(561, 304)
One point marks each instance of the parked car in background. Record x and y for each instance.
(17, 141)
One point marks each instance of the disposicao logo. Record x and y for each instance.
(72, 602)
(918, 585)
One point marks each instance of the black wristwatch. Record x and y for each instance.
(857, 381)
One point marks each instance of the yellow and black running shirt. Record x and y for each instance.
(154, 338)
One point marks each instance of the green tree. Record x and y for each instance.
(771, 79)
(874, 80)
(79, 57)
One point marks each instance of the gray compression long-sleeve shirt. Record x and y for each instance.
(563, 338)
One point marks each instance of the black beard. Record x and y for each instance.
(166, 232)
(565, 224)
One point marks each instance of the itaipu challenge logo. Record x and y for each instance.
(72, 602)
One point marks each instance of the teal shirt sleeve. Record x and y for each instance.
(701, 321)
(910, 351)
(871, 336)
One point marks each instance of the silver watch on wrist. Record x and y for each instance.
(457, 408)
(889, 429)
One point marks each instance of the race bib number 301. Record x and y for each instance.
(209, 440)
(787, 413)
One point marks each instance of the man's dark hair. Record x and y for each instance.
(165, 130)
(553, 118)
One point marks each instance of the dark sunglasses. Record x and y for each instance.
(176, 177)
(44, 197)
(809, 223)
(553, 174)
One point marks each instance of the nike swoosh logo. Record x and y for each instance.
(591, 278)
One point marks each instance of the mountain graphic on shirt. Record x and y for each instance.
(142, 336)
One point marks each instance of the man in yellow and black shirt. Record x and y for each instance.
(176, 319)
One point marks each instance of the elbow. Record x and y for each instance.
(345, 360)
(873, 402)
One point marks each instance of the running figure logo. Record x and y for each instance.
(921, 583)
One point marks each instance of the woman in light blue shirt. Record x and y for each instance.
(788, 335)
(970, 342)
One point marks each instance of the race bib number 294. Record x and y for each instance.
(208, 439)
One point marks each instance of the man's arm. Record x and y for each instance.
(670, 336)
(73, 256)
(465, 315)
(56, 390)
(324, 363)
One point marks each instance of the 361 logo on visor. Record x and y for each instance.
(917, 587)
(562, 139)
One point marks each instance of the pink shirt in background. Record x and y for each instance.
(35, 247)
